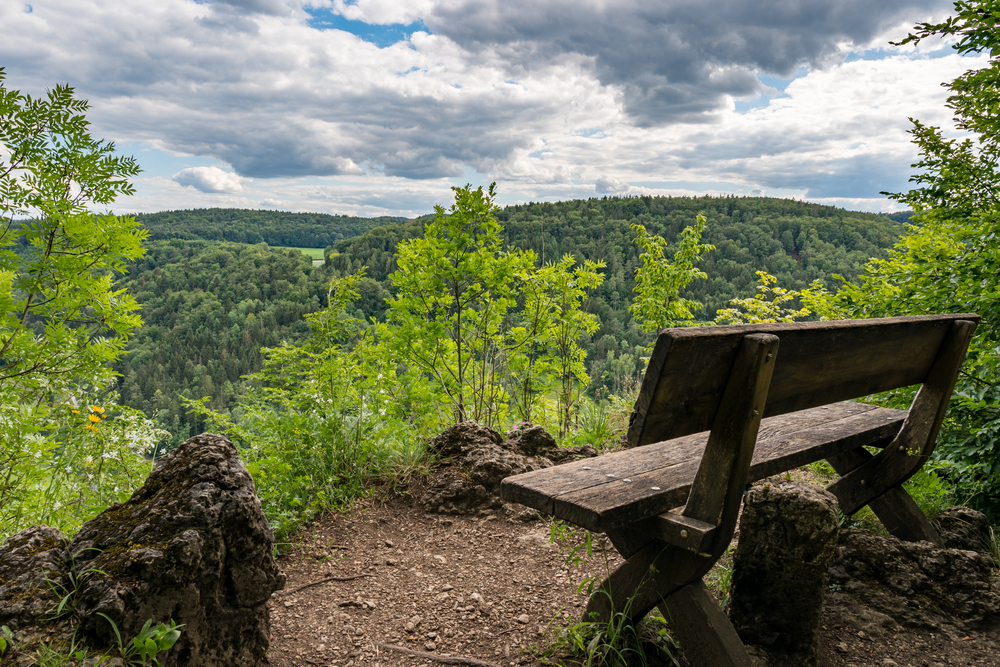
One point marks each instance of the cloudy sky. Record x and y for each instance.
(373, 107)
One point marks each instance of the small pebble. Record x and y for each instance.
(523, 619)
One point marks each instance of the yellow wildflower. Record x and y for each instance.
(97, 408)
(94, 418)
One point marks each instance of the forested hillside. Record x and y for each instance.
(209, 307)
(795, 241)
(304, 230)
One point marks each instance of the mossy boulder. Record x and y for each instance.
(191, 545)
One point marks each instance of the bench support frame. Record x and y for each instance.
(654, 569)
(665, 570)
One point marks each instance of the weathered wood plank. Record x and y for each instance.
(916, 439)
(649, 575)
(581, 492)
(819, 363)
(703, 629)
(681, 531)
(717, 490)
(538, 489)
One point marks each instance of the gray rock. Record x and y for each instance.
(455, 493)
(947, 591)
(964, 528)
(456, 440)
(193, 545)
(788, 534)
(33, 567)
(532, 440)
(477, 459)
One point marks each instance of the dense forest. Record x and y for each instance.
(209, 307)
(792, 240)
(302, 230)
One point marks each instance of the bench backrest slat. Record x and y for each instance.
(818, 363)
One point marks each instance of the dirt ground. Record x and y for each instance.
(485, 589)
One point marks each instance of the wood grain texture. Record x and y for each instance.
(916, 439)
(703, 629)
(582, 492)
(681, 531)
(819, 363)
(717, 490)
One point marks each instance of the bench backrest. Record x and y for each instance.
(818, 363)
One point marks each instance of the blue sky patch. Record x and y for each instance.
(763, 99)
(379, 35)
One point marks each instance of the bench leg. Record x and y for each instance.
(642, 582)
(702, 629)
(654, 576)
(896, 509)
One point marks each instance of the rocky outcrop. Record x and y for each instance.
(964, 528)
(475, 459)
(33, 568)
(191, 545)
(916, 585)
(788, 534)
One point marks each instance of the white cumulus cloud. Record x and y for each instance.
(210, 179)
(605, 185)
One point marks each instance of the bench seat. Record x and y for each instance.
(624, 487)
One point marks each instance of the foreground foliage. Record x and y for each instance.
(62, 319)
(318, 423)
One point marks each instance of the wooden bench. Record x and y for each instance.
(723, 406)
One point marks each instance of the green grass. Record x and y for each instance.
(313, 253)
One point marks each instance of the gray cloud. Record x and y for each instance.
(674, 60)
(249, 83)
(272, 7)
